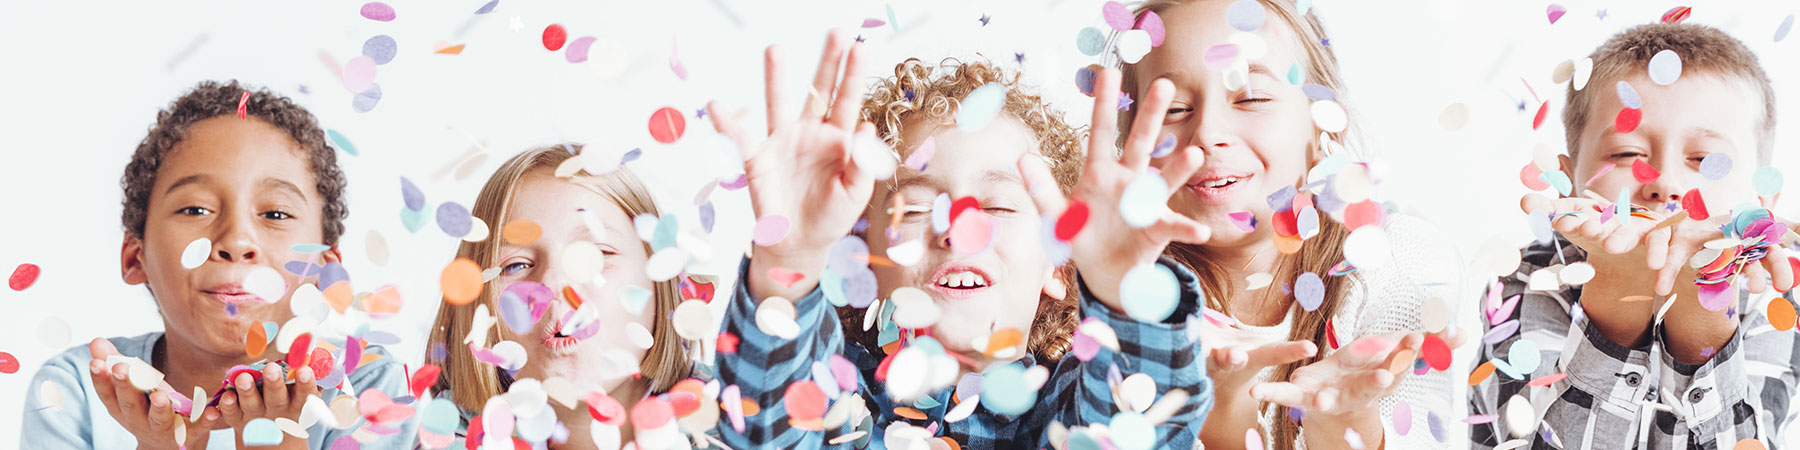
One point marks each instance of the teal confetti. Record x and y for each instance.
(892, 22)
(341, 142)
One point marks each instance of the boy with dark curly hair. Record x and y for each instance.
(228, 187)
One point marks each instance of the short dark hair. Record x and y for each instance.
(1702, 49)
(211, 99)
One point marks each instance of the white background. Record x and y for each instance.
(81, 81)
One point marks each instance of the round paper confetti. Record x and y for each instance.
(366, 101)
(1715, 166)
(1781, 314)
(980, 107)
(378, 11)
(1767, 181)
(1116, 15)
(1152, 24)
(1309, 290)
(1368, 248)
(261, 431)
(23, 277)
(1149, 292)
(804, 400)
(1245, 15)
(1072, 220)
(665, 264)
(461, 281)
(971, 234)
(1454, 117)
(359, 74)
(381, 48)
(1555, 12)
(770, 229)
(554, 35)
(1138, 391)
(874, 156)
(1090, 41)
(1131, 46)
(1220, 57)
(1004, 390)
(196, 253)
(1131, 431)
(1520, 419)
(1402, 416)
(1577, 274)
(9, 364)
(478, 230)
(410, 193)
(265, 283)
(1627, 120)
(454, 219)
(1665, 67)
(639, 335)
(1584, 69)
(694, 321)
(521, 232)
(1329, 116)
(1629, 95)
(1253, 439)
(1782, 30)
(913, 309)
(578, 50)
(775, 317)
(667, 125)
(1144, 200)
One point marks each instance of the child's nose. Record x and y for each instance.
(236, 244)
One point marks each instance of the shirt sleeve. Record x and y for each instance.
(1166, 351)
(68, 428)
(763, 366)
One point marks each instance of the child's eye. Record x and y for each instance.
(515, 268)
(1620, 155)
(998, 210)
(1254, 100)
(193, 211)
(276, 215)
(914, 211)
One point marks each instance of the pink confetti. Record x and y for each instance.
(1153, 25)
(770, 229)
(378, 11)
(873, 23)
(1117, 15)
(1555, 12)
(922, 155)
(1219, 57)
(675, 62)
(1603, 170)
(359, 74)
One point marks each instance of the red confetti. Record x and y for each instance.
(1285, 223)
(667, 125)
(727, 342)
(1548, 379)
(426, 376)
(242, 101)
(1543, 111)
(23, 277)
(9, 364)
(694, 290)
(957, 207)
(604, 409)
(321, 363)
(1071, 221)
(804, 400)
(652, 413)
(1695, 205)
(1643, 172)
(1362, 213)
(300, 350)
(554, 36)
(1530, 177)
(1435, 352)
(1628, 119)
(1331, 338)
(1677, 14)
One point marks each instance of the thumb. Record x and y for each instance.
(100, 348)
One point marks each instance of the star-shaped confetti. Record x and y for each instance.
(859, 38)
(1020, 57)
(1125, 101)
(1601, 14)
(305, 90)
(985, 18)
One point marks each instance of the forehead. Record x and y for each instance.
(1694, 102)
(552, 203)
(1193, 27)
(230, 149)
(963, 155)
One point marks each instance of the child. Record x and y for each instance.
(1272, 124)
(977, 302)
(1668, 356)
(244, 194)
(547, 244)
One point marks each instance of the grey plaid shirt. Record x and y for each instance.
(1613, 393)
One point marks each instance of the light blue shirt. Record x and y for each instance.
(83, 422)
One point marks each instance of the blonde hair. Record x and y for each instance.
(921, 93)
(1317, 254)
(473, 382)
(1702, 49)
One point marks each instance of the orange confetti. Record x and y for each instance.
(1401, 360)
(444, 48)
(910, 413)
(1287, 245)
(950, 443)
(1781, 314)
(750, 407)
(461, 281)
(1481, 373)
(521, 232)
(1004, 339)
(572, 297)
(1748, 444)
(339, 296)
(384, 302)
(256, 341)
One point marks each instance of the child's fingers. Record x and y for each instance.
(274, 389)
(249, 401)
(1287, 394)
(1678, 259)
(1656, 242)
(131, 402)
(100, 349)
(1780, 270)
(1177, 168)
(103, 385)
(228, 408)
(724, 119)
(1568, 224)
(1146, 128)
(1624, 238)
(772, 91)
(847, 105)
(1174, 227)
(1105, 121)
(303, 386)
(825, 79)
(1535, 203)
(1279, 353)
(162, 412)
(1758, 278)
(1041, 185)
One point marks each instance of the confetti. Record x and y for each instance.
(554, 35)
(922, 155)
(1152, 24)
(1084, 79)
(1643, 173)
(803, 400)
(770, 230)
(1164, 147)
(1576, 274)
(1116, 15)
(971, 234)
(1144, 200)
(261, 431)
(1665, 67)
(1695, 205)
(913, 308)
(1584, 70)
(1004, 390)
(1149, 292)
(23, 277)
(378, 11)
(1220, 57)
(1542, 112)
(444, 48)
(365, 101)
(1071, 221)
(1309, 290)
(454, 219)
(1090, 41)
(242, 102)
(1715, 166)
(1677, 14)
(1767, 181)
(1454, 117)
(1402, 416)
(981, 106)
(1520, 418)
(1245, 15)
(694, 321)
(196, 253)
(521, 232)
(1629, 95)
(639, 335)
(1780, 312)
(1132, 45)
(578, 50)
(667, 125)
(1781, 31)
(1329, 116)
(381, 48)
(359, 74)
(1137, 391)
(1555, 12)
(775, 317)
(265, 283)
(1369, 248)
(461, 281)
(1627, 120)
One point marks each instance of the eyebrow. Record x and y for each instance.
(184, 181)
(283, 186)
(1706, 133)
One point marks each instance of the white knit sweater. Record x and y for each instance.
(1390, 299)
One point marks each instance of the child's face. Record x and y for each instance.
(1699, 114)
(246, 186)
(979, 290)
(553, 205)
(1257, 139)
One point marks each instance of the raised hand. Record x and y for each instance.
(1352, 380)
(273, 400)
(803, 170)
(1107, 246)
(152, 417)
(1234, 356)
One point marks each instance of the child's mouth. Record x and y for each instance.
(1217, 190)
(960, 283)
(558, 342)
(230, 294)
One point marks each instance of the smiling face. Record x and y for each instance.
(246, 186)
(1700, 114)
(985, 283)
(555, 206)
(1258, 139)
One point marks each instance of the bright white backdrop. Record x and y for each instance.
(82, 81)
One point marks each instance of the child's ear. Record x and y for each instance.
(131, 261)
(332, 255)
(1567, 166)
(1055, 286)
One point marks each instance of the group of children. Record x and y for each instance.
(1203, 266)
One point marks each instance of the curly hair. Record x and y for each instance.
(211, 99)
(922, 93)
